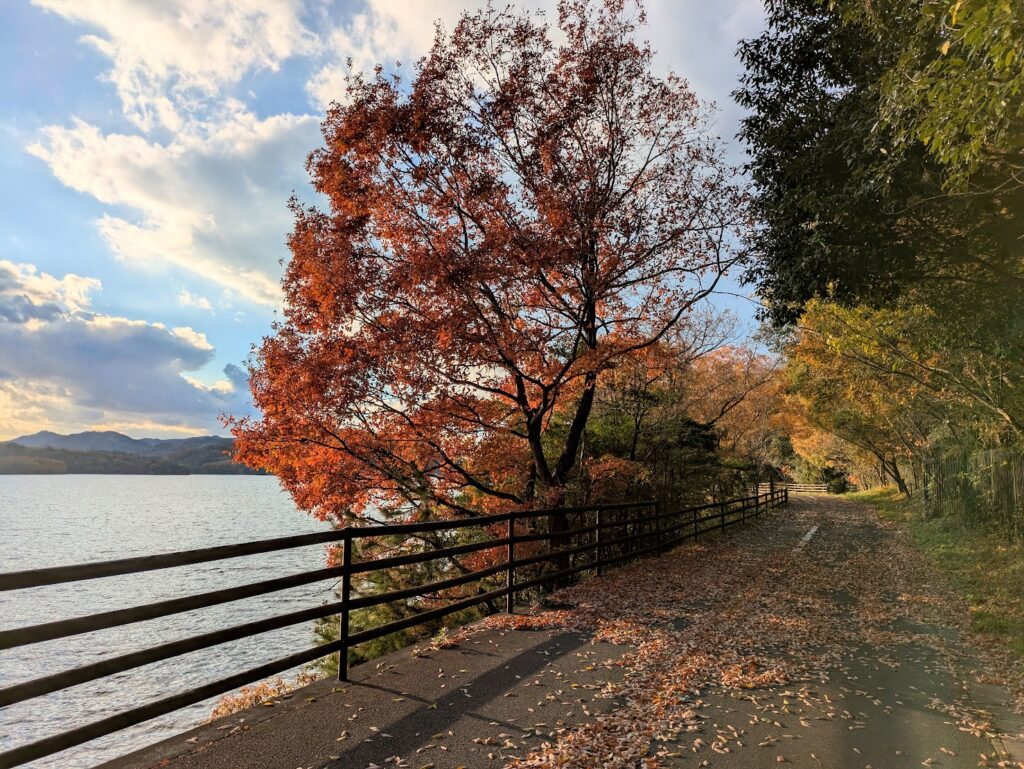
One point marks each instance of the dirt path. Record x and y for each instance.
(814, 637)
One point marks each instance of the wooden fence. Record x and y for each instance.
(524, 549)
(798, 488)
(984, 488)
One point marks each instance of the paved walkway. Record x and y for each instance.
(814, 637)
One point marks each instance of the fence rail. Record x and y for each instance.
(585, 539)
(800, 488)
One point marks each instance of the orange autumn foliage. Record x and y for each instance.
(500, 230)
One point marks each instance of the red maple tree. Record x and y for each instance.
(531, 207)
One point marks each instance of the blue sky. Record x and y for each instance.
(147, 151)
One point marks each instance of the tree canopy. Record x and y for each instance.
(504, 226)
(855, 111)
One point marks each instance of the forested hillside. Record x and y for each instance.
(114, 453)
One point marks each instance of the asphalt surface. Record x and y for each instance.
(868, 714)
(895, 704)
(495, 696)
(906, 692)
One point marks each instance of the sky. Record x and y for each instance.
(147, 153)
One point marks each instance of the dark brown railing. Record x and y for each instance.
(801, 488)
(587, 539)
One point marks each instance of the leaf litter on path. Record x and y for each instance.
(759, 618)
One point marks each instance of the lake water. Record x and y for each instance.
(65, 519)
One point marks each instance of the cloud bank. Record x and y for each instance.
(212, 203)
(64, 365)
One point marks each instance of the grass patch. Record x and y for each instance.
(986, 568)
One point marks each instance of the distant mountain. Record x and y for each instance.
(112, 452)
(109, 440)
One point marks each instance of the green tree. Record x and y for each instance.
(852, 185)
(957, 86)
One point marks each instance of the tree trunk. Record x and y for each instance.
(894, 472)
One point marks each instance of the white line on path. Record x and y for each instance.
(805, 539)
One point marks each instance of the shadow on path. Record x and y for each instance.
(463, 706)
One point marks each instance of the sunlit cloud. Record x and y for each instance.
(171, 59)
(24, 284)
(213, 204)
(187, 299)
(66, 365)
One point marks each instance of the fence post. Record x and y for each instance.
(696, 528)
(657, 523)
(597, 541)
(721, 515)
(630, 544)
(510, 574)
(346, 592)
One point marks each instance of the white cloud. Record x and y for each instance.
(187, 299)
(698, 40)
(746, 18)
(65, 365)
(212, 203)
(170, 58)
(23, 284)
